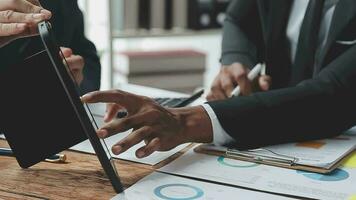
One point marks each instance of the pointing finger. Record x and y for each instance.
(110, 96)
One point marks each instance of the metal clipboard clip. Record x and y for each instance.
(262, 155)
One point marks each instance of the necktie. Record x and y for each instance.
(307, 42)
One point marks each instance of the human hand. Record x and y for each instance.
(19, 18)
(75, 64)
(160, 128)
(231, 76)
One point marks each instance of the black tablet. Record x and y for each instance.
(40, 109)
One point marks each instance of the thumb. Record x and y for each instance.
(67, 52)
(265, 82)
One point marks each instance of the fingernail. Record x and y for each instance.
(102, 133)
(116, 149)
(47, 13)
(140, 154)
(38, 16)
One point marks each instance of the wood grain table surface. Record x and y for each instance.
(81, 177)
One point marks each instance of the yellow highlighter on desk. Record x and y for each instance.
(57, 158)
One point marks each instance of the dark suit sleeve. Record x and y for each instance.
(82, 46)
(241, 33)
(317, 108)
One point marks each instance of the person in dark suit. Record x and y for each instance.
(68, 28)
(309, 48)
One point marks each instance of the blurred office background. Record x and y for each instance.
(169, 44)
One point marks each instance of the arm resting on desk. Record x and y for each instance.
(317, 108)
(220, 137)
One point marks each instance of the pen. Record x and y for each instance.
(190, 99)
(57, 158)
(258, 69)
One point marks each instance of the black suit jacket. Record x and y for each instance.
(68, 27)
(314, 107)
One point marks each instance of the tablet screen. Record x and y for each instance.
(108, 154)
(40, 109)
(73, 91)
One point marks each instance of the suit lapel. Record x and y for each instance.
(278, 18)
(276, 54)
(274, 15)
(345, 10)
(263, 7)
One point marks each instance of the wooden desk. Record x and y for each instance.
(80, 178)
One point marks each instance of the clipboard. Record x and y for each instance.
(276, 159)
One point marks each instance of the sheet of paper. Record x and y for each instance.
(129, 154)
(161, 186)
(321, 152)
(338, 185)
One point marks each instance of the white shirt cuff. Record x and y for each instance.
(220, 137)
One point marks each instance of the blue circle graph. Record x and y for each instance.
(336, 175)
(222, 161)
(158, 192)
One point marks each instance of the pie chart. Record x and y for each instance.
(235, 163)
(178, 192)
(336, 175)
